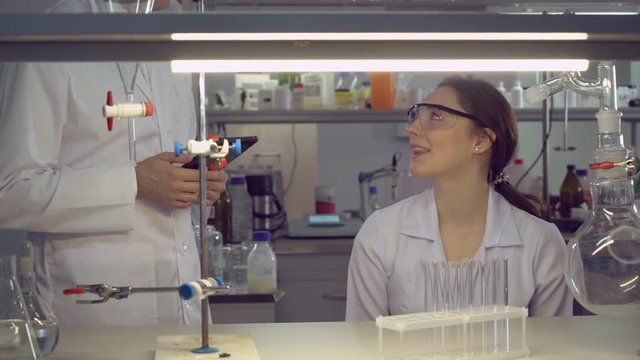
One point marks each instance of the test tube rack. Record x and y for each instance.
(489, 332)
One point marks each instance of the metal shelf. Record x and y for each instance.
(385, 116)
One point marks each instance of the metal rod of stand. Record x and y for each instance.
(204, 253)
(546, 114)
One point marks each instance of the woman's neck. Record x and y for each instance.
(462, 202)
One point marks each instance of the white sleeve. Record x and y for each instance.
(37, 192)
(367, 280)
(552, 297)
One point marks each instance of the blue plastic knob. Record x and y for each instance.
(237, 146)
(178, 148)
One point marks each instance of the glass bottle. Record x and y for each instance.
(223, 220)
(570, 192)
(215, 255)
(17, 338)
(242, 214)
(603, 262)
(41, 318)
(583, 177)
(261, 265)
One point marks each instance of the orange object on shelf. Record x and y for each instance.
(382, 90)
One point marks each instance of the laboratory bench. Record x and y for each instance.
(566, 338)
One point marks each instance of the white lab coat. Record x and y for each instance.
(70, 182)
(386, 270)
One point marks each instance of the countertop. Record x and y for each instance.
(585, 337)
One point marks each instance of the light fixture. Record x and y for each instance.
(377, 65)
(381, 36)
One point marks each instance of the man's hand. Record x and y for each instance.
(160, 181)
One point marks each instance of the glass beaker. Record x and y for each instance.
(41, 318)
(17, 338)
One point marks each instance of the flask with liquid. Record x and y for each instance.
(235, 271)
(261, 265)
(17, 338)
(570, 192)
(41, 318)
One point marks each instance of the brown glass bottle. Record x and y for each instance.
(222, 219)
(570, 192)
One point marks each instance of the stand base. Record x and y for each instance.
(178, 347)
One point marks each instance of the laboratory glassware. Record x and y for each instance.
(17, 338)
(602, 266)
(41, 317)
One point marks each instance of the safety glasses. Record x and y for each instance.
(437, 117)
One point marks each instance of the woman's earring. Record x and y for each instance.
(477, 148)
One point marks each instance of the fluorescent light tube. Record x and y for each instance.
(373, 65)
(381, 36)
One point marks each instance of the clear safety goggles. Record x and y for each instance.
(437, 117)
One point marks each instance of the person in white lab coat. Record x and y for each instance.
(461, 139)
(93, 215)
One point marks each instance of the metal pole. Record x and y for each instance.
(204, 254)
(546, 119)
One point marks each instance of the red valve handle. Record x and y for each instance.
(110, 103)
(73, 291)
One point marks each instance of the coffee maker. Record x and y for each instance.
(268, 212)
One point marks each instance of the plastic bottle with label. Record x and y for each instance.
(242, 212)
(517, 100)
(262, 268)
(503, 91)
(382, 90)
(374, 201)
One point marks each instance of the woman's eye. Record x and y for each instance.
(436, 117)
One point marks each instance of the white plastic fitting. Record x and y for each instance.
(208, 147)
(128, 110)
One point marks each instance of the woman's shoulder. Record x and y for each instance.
(531, 225)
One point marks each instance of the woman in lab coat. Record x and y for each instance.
(461, 140)
(93, 215)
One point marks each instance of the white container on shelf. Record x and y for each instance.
(517, 101)
(318, 91)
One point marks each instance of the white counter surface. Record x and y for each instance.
(587, 337)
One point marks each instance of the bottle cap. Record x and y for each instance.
(581, 172)
(518, 161)
(373, 190)
(262, 235)
(237, 180)
(571, 167)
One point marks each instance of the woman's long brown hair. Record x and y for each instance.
(481, 99)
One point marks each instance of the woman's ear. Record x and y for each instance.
(484, 140)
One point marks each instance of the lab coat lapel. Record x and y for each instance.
(500, 227)
(421, 218)
(142, 89)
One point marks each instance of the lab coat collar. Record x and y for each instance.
(421, 220)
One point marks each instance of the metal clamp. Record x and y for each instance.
(106, 292)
